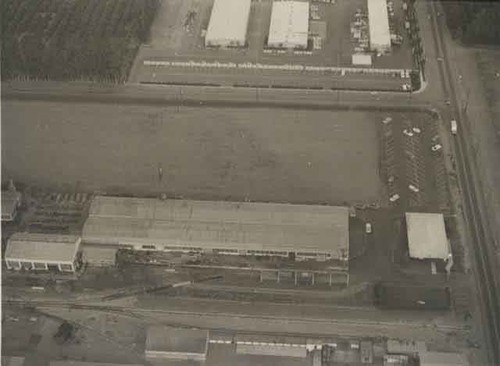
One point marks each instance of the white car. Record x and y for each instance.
(413, 188)
(394, 197)
(368, 228)
(454, 127)
(407, 132)
(436, 147)
(416, 130)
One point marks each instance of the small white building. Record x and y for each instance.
(442, 359)
(289, 24)
(378, 22)
(361, 59)
(42, 252)
(10, 202)
(176, 344)
(427, 236)
(228, 23)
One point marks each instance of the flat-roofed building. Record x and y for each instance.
(176, 343)
(378, 23)
(427, 236)
(10, 201)
(228, 23)
(238, 228)
(442, 359)
(41, 252)
(289, 26)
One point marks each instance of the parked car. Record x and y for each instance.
(436, 147)
(368, 228)
(454, 127)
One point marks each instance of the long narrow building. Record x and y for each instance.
(228, 23)
(378, 21)
(230, 228)
(289, 24)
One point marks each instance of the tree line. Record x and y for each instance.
(474, 22)
(93, 40)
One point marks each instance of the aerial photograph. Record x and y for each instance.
(250, 182)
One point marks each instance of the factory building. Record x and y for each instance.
(43, 252)
(289, 24)
(427, 236)
(231, 228)
(228, 23)
(167, 343)
(378, 23)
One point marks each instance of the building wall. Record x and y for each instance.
(18, 264)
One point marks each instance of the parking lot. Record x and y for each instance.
(177, 35)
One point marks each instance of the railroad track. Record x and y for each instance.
(473, 201)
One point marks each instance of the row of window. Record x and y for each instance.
(38, 266)
(236, 251)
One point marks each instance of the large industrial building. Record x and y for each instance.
(231, 228)
(378, 22)
(427, 236)
(228, 23)
(289, 24)
(42, 252)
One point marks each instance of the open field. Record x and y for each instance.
(73, 40)
(177, 36)
(257, 154)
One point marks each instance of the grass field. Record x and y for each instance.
(73, 39)
(205, 153)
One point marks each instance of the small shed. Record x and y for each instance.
(361, 59)
(427, 236)
(41, 252)
(10, 202)
(176, 343)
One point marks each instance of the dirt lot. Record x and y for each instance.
(263, 155)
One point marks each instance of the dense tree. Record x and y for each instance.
(73, 39)
(474, 22)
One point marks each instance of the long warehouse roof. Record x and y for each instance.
(221, 225)
(289, 23)
(427, 236)
(228, 21)
(378, 22)
(42, 247)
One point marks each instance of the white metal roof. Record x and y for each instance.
(228, 22)
(42, 247)
(378, 21)
(271, 350)
(219, 225)
(442, 359)
(176, 340)
(427, 236)
(361, 59)
(289, 24)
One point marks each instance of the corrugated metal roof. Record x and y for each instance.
(427, 236)
(42, 247)
(219, 225)
(271, 350)
(289, 24)
(228, 22)
(378, 19)
(442, 359)
(176, 340)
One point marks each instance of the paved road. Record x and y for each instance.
(482, 240)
